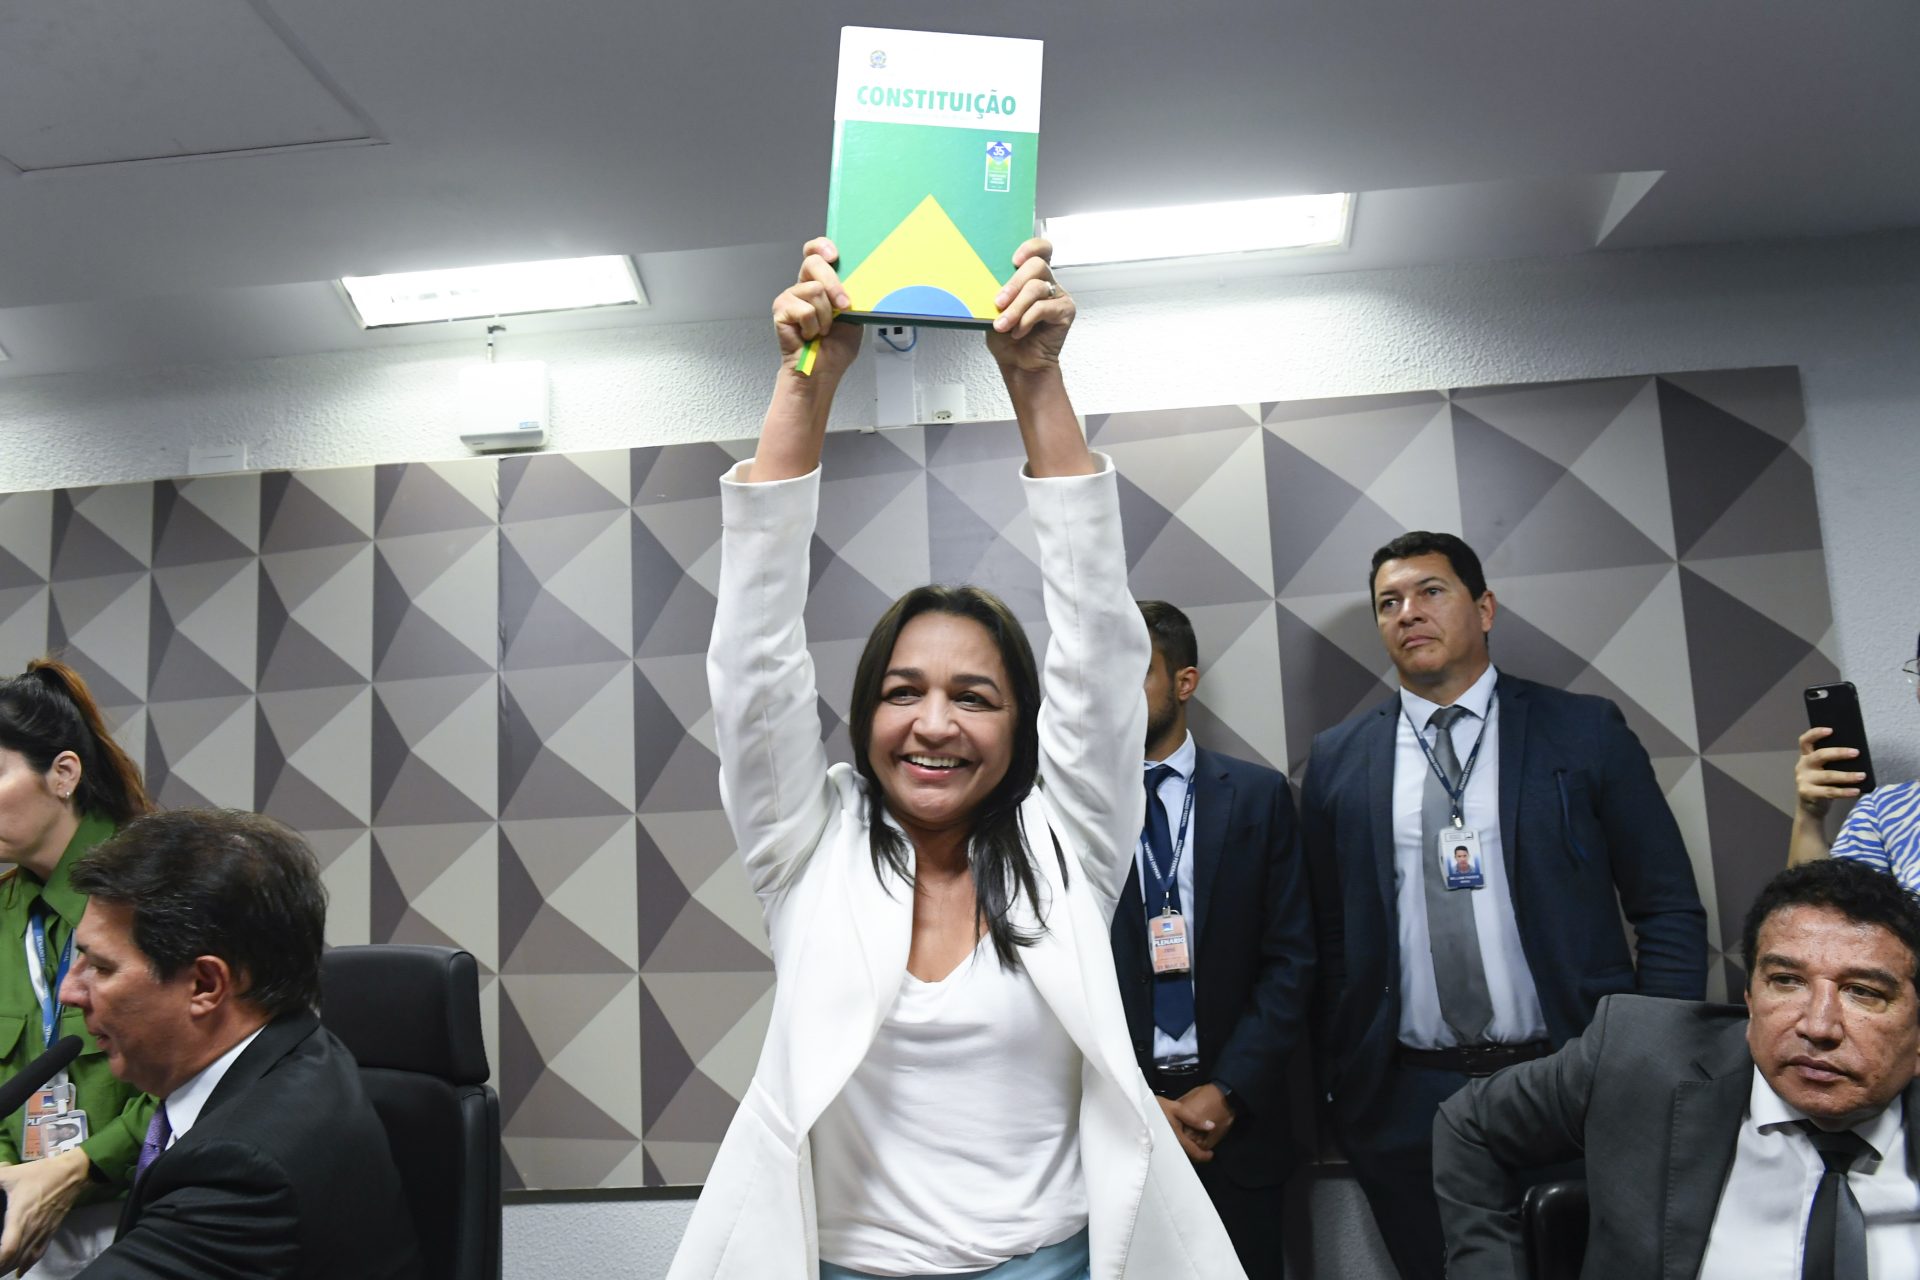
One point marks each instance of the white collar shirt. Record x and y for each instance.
(185, 1104)
(1759, 1231)
(1171, 1051)
(1517, 1017)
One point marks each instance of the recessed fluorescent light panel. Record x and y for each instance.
(1306, 223)
(512, 288)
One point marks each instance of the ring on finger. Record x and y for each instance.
(1053, 291)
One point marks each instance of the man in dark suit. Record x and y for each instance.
(1216, 867)
(1429, 978)
(1722, 1142)
(199, 974)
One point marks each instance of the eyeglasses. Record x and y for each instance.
(1912, 671)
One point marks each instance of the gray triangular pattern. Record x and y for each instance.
(1229, 512)
(1789, 587)
(690, 780)
(1627, 468)
(26, 531)
(892, 549)
(179, 727)
(552, 849)
(1571, 528)
(539, 486)
(296, 716)
(1558, 419)
(700, 942)
(1357, 445)
(1776, 513)
(1171, 469)
(1181, 565)
(1340, 561)
(1768, 398)
(85, 552)
(307, 509)
(435, 497)
(123, 512)
(191, 536)
(419, 855)
(555, 944)
(1117, 430)
(1582, 608)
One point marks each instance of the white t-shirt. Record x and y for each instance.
(956, 1144)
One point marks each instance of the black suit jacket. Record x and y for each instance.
(286, 1175)
(1653, 1095)
(1254, 965)
(1586, 834)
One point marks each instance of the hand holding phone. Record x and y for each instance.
(1834, 761)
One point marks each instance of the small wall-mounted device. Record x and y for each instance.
(503, 404)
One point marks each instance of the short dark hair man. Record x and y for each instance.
(1710, 1131)
(199, 975)
(1428, 977)
(1213, 1033)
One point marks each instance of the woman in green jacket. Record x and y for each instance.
(65, 786)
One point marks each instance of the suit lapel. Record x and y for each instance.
(1700, 1146)
(1380, 743)
(1513, 744)
(1212, 802)
(273, 1043)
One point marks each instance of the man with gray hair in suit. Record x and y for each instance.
(1780, 1139)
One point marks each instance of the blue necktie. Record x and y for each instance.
(1172, 992)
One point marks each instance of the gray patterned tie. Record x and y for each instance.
(1457, 967)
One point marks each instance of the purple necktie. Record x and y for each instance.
(158, 1131)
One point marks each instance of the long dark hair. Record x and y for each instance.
(49, 709)
(996, 850)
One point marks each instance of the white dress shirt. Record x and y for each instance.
(185, 1104)
(1760, 1229)
(1167, 1050)
(1517, 1018)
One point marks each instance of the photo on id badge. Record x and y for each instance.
(1459, 852)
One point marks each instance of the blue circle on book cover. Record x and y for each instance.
(923, 300)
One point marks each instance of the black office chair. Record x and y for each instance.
(411, 1016)
(1553, 1219)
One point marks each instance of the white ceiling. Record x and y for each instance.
(362, 136)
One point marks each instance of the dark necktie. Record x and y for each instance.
(1458, 970)
(1836, 1229)
(158, 1131)
(1172, 992)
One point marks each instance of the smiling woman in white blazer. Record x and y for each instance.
(870, 952)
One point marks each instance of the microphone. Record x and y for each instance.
(15, 1092)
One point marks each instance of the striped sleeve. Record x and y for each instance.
(1883, 831)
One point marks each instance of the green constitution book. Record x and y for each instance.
(935, 143)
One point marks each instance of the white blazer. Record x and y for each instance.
(840, 937)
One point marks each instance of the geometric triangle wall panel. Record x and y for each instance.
(479, 686)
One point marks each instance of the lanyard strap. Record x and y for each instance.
(1456, 795)
(48, 995)
(1179, 846)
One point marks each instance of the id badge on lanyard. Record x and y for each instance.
(53, 1123)
(47, 994)
(1167, 932)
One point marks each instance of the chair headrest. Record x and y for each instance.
(406, 1008)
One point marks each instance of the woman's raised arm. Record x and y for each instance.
(1035, 314)
(796, 420)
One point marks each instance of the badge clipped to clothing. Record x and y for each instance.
(53, 1124)
(1458, 849)
(1167, 943)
